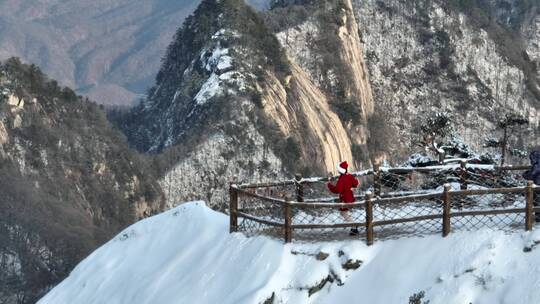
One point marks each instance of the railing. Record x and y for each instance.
(293, 210)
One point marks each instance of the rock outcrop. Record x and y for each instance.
(256, 107)
(445, 56)
(229, 101)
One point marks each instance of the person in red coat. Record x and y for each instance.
(344, 187)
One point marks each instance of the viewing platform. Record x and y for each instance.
(390, 203)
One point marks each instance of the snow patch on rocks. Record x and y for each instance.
(209, 89)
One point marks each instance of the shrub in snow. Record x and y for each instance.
(433, 128)
(417, 298)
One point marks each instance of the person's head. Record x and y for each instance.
(342, 167)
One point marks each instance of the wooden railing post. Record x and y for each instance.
(369, 218)
(463, 175)
(299, 188)
(529, 206)
(377, 178)
(233, 208)
(442, 156)
(446, 210)
(287, 216)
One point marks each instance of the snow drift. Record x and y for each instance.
(186, 255)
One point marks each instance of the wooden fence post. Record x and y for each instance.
(369, 218)
(233, 208)
(463, 175)
(287, 215)
(442, 155)
(529, 206)
(299, 188)
(446, 210)
(377, 178)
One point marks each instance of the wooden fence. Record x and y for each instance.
(289, 214)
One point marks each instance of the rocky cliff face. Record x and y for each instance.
(326, 50)
(340, 80)
(68, 182)
(230, 101)
(473, 59)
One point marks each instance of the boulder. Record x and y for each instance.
(15, 101)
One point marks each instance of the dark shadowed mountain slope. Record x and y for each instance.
(68, 182)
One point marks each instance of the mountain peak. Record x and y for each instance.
(211, 56)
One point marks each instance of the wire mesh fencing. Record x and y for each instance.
(392, 182)
(327, 221)
(396, 182)
(411, 216)
(502, 210)
(407, 202)
(256, 215)
(493, 177)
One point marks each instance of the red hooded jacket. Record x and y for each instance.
(343, 187)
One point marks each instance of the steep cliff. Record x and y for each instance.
(322, 38)
(229, 101)
(68, 182)
(237, 96)
(473, 59)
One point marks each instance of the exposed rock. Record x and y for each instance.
(443, 59)
(352, 264)
(270, 300)
(533, 245)
(17, 122)
(323, 127)
(321, 256)
(16, 102)
(242, 107)
(351, 51)
(303, 43)
(331, 278)
(320, 286)
(4, 136)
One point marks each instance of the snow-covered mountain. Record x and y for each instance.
(186, 255)
(305, 84)
(255, 96)
(229, 101)
(473, 59)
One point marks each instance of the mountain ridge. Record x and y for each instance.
(69, 181)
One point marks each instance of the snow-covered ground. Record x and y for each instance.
(186, 255)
